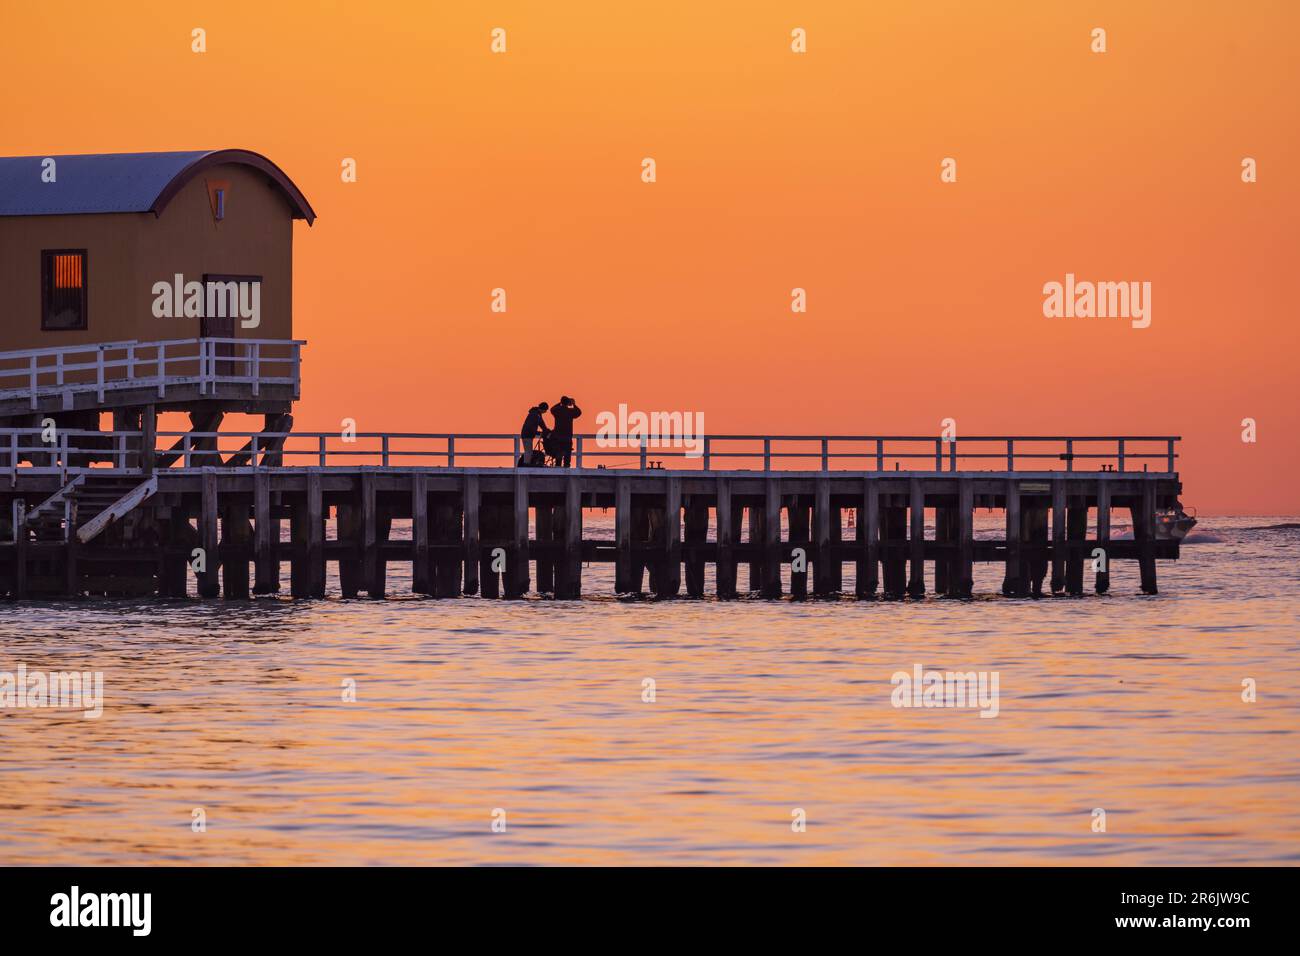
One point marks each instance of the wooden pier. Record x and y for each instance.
(137, 513)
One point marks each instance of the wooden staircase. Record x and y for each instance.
(87, 505)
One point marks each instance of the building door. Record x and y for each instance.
(224, 292)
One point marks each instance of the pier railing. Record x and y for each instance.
(68, 451)
(113, 366)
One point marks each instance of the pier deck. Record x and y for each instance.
(502, 531)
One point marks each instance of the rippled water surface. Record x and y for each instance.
(1127, 703)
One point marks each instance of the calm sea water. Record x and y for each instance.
(1127, 703)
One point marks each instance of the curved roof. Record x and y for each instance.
(123, 182)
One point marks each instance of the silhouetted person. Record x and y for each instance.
(533, 426)
(562, 435)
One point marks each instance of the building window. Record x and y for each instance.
(63, 289)
(221, 204)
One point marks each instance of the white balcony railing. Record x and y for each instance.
(209, 363)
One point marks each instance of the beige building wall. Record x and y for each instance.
(128, 252)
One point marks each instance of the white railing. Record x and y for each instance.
(111, 366)
(69, 451)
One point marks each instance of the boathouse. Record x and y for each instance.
(89, 243)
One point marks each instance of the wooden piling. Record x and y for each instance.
(916, 506)
(1058, 535)
(1103, 535)
(237, 535)
(1034, 520)
(893, 527)
(1013, 582)
(444, 571)
(1144, 533)
(299, 547)
(498, 530)
(315, 535)
(421, 567)
(834, 566)
(623, 537)
(569, 570)
(729, 516)
(798, 517)
(772, 539)
(350, 532)
(545, 521)
(473, 539)
(869, 539)
(1076, 532)
(823, 516)
(371, 575)
(697, 535)
(670, 573)
(965, 570)
(209, 585)
(20, 547)
(756, 523)
(517, 578)
(943, 538)
(266, 537)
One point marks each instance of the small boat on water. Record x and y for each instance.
(1174, 523)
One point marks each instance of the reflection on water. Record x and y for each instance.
(1127, 703)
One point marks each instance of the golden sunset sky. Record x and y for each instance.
(775, 170)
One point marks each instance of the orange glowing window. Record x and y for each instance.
(63, 289)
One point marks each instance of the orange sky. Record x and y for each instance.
(775, 170)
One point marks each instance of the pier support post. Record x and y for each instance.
(772, 539)
(1144, 533)
(517, 570)
(444, 571)
(315, 535)
(697, 536)
(19, 511)
(798, 518)
(209, 585)
(894, 551)
(757, 536)
(371, 563)
(943, 536)
(1058, 535)
(178, 542)
(669, 578)
(545, 522)
(1034, 520)
(963, 576)
(916, 505)
(266, 536)
(824, 516)
(869, 538)
(473, 538)
(728, 513)
(237, 535)
(1014, 583)
(498, 530)
(1076, 531)
(421, 568)
(1103, 535)
(834, 566)
(299, 549)
(349, 524)
(623, 537)
(568, 585)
